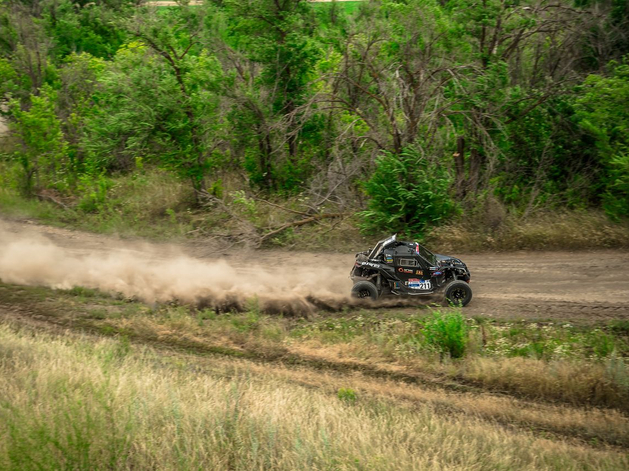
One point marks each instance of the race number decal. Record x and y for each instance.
(419, 284)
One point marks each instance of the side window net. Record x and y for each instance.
(407, 262)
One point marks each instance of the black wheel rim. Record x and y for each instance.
(363, 293)
(458, 295)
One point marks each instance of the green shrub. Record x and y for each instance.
(602, 114)
(247, 322)
(43, 153)
(447, 333)
(407, 193)
(620, 327)
(347, 395)
(94, 189)
(599, 343)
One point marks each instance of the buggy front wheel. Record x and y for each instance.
(458, 293)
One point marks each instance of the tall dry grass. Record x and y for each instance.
(80, 404)
(391, 346)
(604, 383)
(550, 230)
(385, 345)
(153, 204)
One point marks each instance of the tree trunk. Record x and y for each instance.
(459, 167)
(475, 167)
(264, 144)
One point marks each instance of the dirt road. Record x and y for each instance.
(542, 285)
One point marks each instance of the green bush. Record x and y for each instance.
(407, 193)
(43, 153)
(347, 395)
(602, 113)
(600, 344)
(94, 189)
(447, 333)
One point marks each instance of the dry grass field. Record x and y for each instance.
(116, 356)
(78, 402)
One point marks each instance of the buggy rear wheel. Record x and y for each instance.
(365, 290)
(458, 293)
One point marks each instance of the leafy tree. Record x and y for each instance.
(79, 76)
(43, 149)
(158, 100)
(527, 46)
(276, 36)
(603, 113)
(9, 79)
(391, 76)
(86, 26)
(397, 94)
(25, 44)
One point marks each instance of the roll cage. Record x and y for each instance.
(429, 257)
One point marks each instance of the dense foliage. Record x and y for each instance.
(407, 193)
(423, 105)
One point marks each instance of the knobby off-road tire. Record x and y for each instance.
(458, 293)
(365, 290)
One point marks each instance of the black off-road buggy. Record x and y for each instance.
(399, 268)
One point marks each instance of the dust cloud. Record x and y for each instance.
(147, 274)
